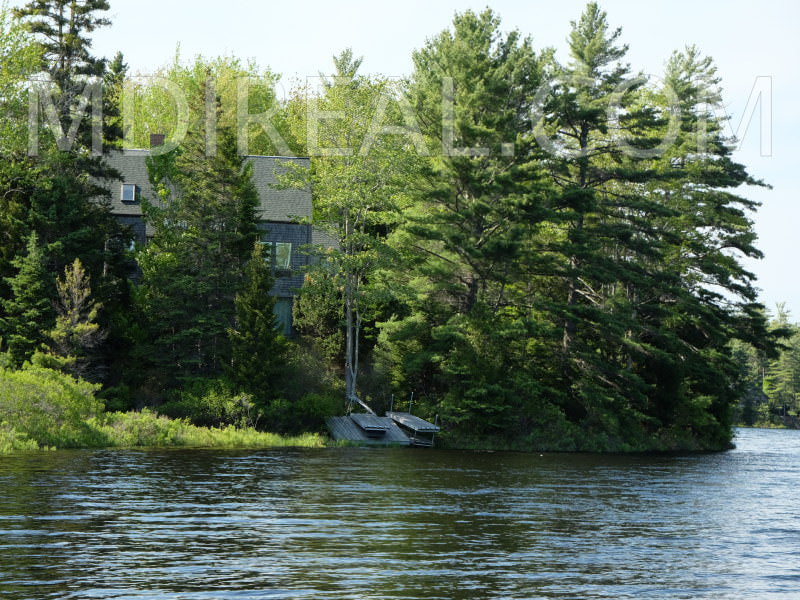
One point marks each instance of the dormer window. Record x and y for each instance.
(130, 192)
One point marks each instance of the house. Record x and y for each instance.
(281, 213)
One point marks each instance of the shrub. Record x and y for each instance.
(306, 414)
(212, 403)
(12, 440)
(149, 429)
(51, 408)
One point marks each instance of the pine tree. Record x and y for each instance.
(77, 335)
(701, 297)
(258, 350)
(477, 202)
(63, 26)
(29, 310)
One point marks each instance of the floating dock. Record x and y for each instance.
(367, 429)
(419, 431)
(395, 429)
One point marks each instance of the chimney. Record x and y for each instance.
(156, 140)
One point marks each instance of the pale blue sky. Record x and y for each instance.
(747, 39)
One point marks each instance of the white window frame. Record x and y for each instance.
(128, 187)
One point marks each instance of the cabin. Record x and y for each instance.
(284, 215)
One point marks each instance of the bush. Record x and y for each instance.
(12, 440)
(306, 414)
(212, 403)
(148, 429)
(51, 408)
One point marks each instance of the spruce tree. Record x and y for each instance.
(29, 310)
(67, 202)
(205, 227)
(258, 350)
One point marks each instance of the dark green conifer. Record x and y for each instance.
(258, 350)
(29, 309)
(205, 227)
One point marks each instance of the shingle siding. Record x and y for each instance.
(137, 226)
(279, 210)
(299, 236)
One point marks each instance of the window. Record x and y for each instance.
(279, 254)
(283, 255)
(130, 192)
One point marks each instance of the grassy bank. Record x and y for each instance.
(44, 409)
(147, 429)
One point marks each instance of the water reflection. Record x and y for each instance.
(374, 523)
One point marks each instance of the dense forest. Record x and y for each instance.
(545, 252)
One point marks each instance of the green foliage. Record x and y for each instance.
(258, 350)
(771, 382)
(205, 228)
(571, 276)
(59, 196)
(547, 254)
(51, 408)
(113, 89)
(154, 110)
(317, 314)
(308, 413)
(19, 59)
(360, 169)
(77, 334)
(212, 403)
(28, 311)
(12, 440)
(62, 28)
(148, 429)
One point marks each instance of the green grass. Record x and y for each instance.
(44, 409)
(148, 429)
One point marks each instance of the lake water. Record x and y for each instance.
(377, 523)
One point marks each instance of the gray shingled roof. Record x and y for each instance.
(277, 205)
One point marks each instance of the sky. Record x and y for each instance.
(756, 46)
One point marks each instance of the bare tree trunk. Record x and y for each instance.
(349, 376)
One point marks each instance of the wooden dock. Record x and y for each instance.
(419, 431)
(380, 431)
(373, 425)
(395, 429)
(413, 423)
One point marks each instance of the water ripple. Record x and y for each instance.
(392, 524)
